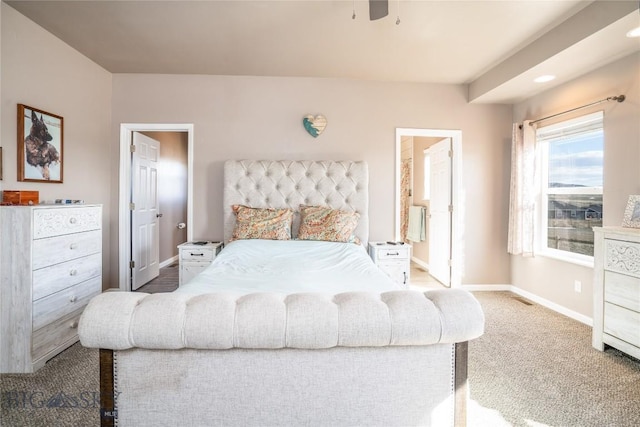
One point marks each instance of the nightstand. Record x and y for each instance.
(195, 258)
(394, 260)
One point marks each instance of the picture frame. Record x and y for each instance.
(40, 145)
(632, 212)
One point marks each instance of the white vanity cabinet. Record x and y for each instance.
(50, 267)
(616, 310)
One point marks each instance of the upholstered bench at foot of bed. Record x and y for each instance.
(221, 321)
(268, 359)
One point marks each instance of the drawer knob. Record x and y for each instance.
(73, 324)
(73, 272)
(393, 253)
(192, 254)
(73, 299)
(73, 246)
(73, 220)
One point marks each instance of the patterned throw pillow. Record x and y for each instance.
(259, 223)
(323, 223)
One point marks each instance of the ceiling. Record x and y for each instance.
(494, 47)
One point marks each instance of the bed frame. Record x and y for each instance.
(414, 372)
(108, 413)
(376, 339)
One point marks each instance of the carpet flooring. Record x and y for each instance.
(535, 367)
(532, 367)
(65, 392)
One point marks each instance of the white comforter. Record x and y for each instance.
(290, 266)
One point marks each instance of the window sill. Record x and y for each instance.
(583, 261)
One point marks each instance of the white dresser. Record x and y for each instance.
(50, 267)
(616, 284)
(195, 258)
(393, 259)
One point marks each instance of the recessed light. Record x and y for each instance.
(544, 79)
(634, 33)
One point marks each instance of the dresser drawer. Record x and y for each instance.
(49, 280)
(622, 323)
(54, 250)
(200, 254)
(55, 334)
(622, 257)
(59, 221)
(51, 308)
(396, 253)
(622, 290)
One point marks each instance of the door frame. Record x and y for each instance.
(124, 216)
(457, 217)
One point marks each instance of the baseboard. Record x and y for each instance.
(420, 263)
(169, 261)
(535, 298)
(553, 306)
(476, 288)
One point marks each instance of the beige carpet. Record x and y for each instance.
(65, 392)
(533, 367)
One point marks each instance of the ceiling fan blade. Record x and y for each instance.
(378, 9)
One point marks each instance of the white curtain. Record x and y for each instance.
(522, 191)
(405, 196)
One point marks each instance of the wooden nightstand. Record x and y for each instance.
(195, 258)
(395, 260)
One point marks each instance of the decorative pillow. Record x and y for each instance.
(259, 223)
(323, 223)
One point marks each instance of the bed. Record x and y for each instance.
(290, 266)
(288, 330)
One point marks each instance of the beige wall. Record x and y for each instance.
(250, 117)
(172, 190)
(260, 117)
(552, 279)
(41, 71)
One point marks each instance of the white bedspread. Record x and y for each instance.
(290, 266)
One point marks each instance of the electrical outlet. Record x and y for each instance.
(577, 286)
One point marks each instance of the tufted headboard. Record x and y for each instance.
(290, 183)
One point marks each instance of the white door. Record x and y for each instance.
(145, 248)
(440, 213)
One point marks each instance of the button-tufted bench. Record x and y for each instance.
(354, 358)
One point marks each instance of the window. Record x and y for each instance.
(571, 171)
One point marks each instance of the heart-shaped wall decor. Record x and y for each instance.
(314, 125)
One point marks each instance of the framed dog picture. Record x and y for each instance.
(40, 144)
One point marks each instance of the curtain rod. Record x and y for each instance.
(619, 98)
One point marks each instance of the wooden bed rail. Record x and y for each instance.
(461, 384)
(107, 389)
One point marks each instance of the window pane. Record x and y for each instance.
(576, 161)
(570, 221)
(572, 159)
